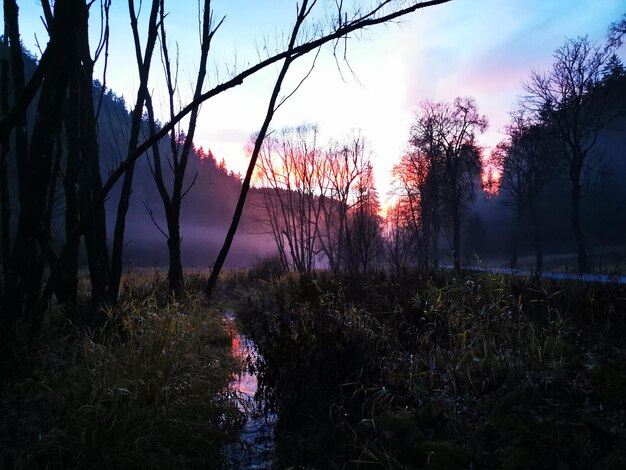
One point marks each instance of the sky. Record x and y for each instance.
(479, 48)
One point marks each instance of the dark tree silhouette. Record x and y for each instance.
(400, 238)
(291, 171)
(443, 139)
(615, 35)
(419, 176)
(179, 157)
(527, 163)
(144, 61)
(363, 228)
(65, 111)
(343, 164)
(569, 97)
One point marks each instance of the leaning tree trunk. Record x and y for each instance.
(245, 186)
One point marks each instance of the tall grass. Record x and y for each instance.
(148, 390)
(441, 372)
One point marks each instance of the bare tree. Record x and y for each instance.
(291, 172)
(144, 61)
(10, 60)
(400, 238)
(179, 157)
(418, 177)
(363, 228)
(445, 154)
(345, 163)
(569, 97)
(65, 107)
(616, 33)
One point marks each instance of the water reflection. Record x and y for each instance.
(255, 448)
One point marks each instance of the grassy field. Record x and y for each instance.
(425, 371)
(149, 390)
(441, 371)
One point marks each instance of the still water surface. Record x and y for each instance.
(256, 447)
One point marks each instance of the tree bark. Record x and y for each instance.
(581, 245)
(67, 281)
(536, 237)
(5, 202)
(515, 239)
(32, 235)
(91, 180)
(456, 235)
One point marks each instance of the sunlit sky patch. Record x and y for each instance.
(480, 48)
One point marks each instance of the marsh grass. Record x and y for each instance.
(441, 371)
(147, 390)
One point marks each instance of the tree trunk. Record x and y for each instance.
(66, 284)
(5, 203)
(118, 236)
(581, 245)
(32, 235)
(515, 239)
(576, 195)
(90, 185)
(175, 276)
(12, 295)
(426, 235)
(245, 187)
(436, 231)
(536, 238)
(456, 236)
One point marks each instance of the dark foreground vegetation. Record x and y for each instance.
(433, 370)
(147, 390)
(441, 371)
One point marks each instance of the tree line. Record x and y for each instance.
(321, 205)
(553, 134)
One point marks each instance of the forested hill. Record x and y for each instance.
(207, 208)
(490, 230)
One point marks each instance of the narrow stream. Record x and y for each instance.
(255, 448)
